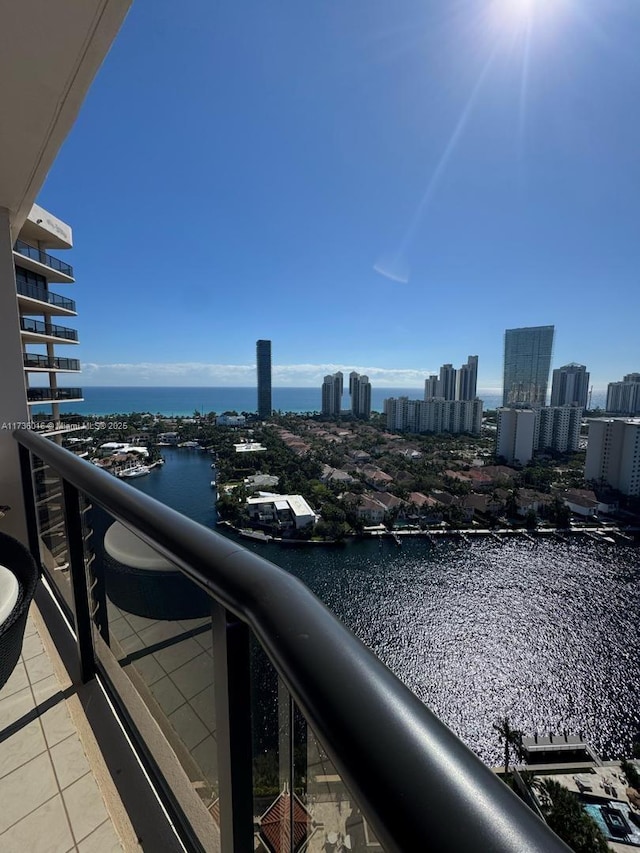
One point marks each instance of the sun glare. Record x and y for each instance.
(512, 17)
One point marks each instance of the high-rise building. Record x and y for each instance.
(570, 386)
(527, 361)
(558, 428)
(360, 388)
(515, 437)
(434, 415)
(431, 387)
(447, 382)
(467, 379)
(35, 270)
(521, 432)
(613, 453)
(332, 388)
(623, 398)
(263, 362)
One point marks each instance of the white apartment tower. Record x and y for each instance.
(613, 454)
(431, 387)
(516, 435)
(42, 312)
(447, 382)
(623, 398)
(434, 415)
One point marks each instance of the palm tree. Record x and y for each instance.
(511, 738)
(566, 817)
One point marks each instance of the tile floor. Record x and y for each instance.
(49, 798)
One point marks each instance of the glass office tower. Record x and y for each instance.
(527, 362)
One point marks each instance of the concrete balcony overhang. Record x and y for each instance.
(28, 305)
(51, 274)
(50, 52)
(49, 402)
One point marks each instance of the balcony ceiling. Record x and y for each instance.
(49, 54)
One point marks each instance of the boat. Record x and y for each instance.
(134, 471)
(213, 484)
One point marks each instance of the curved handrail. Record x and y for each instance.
(417, 783)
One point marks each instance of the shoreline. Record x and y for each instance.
(595, 534)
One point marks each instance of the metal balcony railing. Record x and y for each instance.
(42, 257)
(45, 362)
(53, 395)
(416, 784)
(42, 295)
(42, 328)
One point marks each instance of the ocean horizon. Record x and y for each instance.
(184, 401)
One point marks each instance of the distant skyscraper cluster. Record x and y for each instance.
(452, 384)
(570, 386)
(359, 391)
(263, 362)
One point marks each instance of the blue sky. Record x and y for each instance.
(376, 185)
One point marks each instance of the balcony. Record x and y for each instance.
(37, 331)
(56, 270)
(53, 395)
(259, 718)
(32, 361)
(39, 294)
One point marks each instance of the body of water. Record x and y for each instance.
(184, 401)
(543, 632)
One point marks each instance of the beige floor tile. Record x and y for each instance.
(31, 647)
(57, 723)
(159, 632)
(24, 790)
(120, 629)
(175, 656)
(102, 840)
(45, 830)
(22, 746)
(190, 728)
(206, 757)
(203, 704)
(46, 689)
(149, 669)
(17, 681)
(15, 706)
(85, 806)
(30, 627)
(167, 695)
(69, 761)
(38, 667)
(195, 676)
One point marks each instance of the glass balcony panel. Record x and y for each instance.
(43, 295)
(54, 552)
(47, 395)
(35, 360)
(42, 257)
(27, 324)
(154, 625)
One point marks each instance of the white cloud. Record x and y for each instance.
(236, 375)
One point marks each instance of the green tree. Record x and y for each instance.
(567, 818)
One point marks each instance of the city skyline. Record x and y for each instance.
(416, 172)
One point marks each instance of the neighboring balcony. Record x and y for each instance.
(53, 395)
(40, 262)
(38, 331)
(34, 362)
(28, 293)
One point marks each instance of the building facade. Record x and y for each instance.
(360, 388)
(623, 398)
(39, 307)
(516, 434)
(613, 454)
(263, 363)
(467, 379)
(447, 382)
(434, 415)
(570, 386)
(527, 362)
(431, 387)
(522, 432)
(332, 389)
